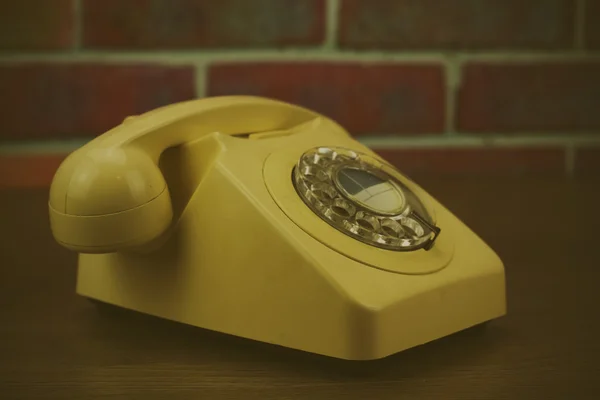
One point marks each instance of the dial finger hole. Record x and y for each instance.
(312, 158)
(349, 153)
(367, 222)
(392, 228)
(324, 192)
(320, 158)
(314, 174)
(412, 228)
(343, 208)
(384, 239)
(326, 153)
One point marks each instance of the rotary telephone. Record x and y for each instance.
(266, 220)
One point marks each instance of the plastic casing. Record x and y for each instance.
(219, 239)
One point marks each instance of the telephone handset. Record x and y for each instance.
(266, 220)
(111, 194)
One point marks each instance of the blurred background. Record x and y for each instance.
(492, 87)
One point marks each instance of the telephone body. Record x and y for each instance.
(265, 220)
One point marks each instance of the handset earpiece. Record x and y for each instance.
(116, 198)
(110, 194)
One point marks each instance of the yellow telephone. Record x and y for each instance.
(266, 220)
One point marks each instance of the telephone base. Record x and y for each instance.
(341, 327)
(113, 313)
(247, 257)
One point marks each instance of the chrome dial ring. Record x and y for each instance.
(364, 198)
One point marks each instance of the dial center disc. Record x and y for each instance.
(370, 190)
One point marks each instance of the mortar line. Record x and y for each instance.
(453, 76)
(379, 142)
(579, 25)
(201, 80)
(570, 159)
(486, 140)
(332, 9)
(77, 24)
(241, 56)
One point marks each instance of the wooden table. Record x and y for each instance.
(54, 344)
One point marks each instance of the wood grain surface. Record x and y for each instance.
(55, 344)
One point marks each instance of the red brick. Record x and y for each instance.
(71, 100)
(477, 161)
(592, 24)
(364, 98)
(557, 97)
(457, 24)
(28, 170)
(169, 24)
(36, 25)
(587, 161)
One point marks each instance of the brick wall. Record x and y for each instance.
(442, 87)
